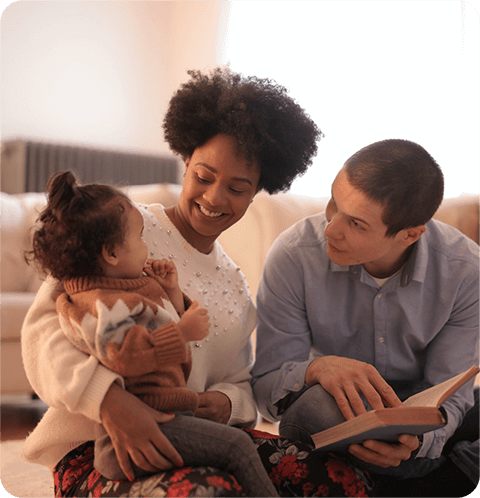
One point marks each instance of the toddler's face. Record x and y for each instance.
(133, 253)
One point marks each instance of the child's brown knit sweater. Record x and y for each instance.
(124, 324)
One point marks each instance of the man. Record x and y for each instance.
(364, 305)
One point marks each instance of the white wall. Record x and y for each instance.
(367, 70)
(100, 73)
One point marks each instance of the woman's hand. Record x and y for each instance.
(345, 378)
(385, 454)
(215, 406)
(133, 428)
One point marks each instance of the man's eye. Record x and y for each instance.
(356, 224)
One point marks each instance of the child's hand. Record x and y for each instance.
(163, 271)
(194, 323)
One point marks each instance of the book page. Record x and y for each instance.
(436, 395)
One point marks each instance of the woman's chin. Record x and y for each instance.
(208, 227)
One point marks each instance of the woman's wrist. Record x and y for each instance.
(112, 400)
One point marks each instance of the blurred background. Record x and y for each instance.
(101, 73)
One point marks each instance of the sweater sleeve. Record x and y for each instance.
(62, 375)
(143, 351)
(113, 336)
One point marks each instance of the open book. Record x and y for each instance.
(419, 414)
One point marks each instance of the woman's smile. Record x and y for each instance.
(207, 212)
(218, 188)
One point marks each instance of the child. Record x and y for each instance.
(90, 238)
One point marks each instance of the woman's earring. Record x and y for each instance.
(184, 174)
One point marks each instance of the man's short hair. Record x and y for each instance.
(403, 177)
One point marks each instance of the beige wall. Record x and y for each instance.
(196, 32)
(101, 73)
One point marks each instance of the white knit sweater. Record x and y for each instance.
(74, 384)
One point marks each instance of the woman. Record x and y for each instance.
(237, 135)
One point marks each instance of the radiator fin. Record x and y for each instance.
(90, 165)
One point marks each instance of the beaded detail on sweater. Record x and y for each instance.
(212, 279)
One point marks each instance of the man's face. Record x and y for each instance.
(356, 233)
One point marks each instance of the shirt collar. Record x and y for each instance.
(418, 260)
(414, 269)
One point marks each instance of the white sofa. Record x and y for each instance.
(247, 243)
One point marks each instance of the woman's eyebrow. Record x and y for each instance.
(235, 178)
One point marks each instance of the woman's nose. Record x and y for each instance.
(214, 195)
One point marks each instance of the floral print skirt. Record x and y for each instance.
(294, 468)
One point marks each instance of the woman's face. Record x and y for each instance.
(218, 188)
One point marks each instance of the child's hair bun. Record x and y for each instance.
(61, 189)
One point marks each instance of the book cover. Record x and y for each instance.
(419, 414)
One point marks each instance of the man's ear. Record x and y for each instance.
(109, 255)
(410, 235)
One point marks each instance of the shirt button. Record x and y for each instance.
(381, 339)
(296, 385)
(379, 296)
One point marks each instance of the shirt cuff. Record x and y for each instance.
(290, 380)
(426, 443)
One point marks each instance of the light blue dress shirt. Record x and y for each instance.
(419, 329)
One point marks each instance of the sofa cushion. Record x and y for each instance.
(462, 213)
(248, 241)
(11, 217)
(14, 307)
(14, 273)
(18, 214)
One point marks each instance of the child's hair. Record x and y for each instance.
(75, 225)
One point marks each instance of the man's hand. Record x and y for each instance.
(385, 454)
(133, 428)
(345, 378)
(214, 405)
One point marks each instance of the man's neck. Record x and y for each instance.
(387, 270)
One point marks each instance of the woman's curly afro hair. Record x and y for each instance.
(269, 126)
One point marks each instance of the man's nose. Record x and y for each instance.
(333, 229)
